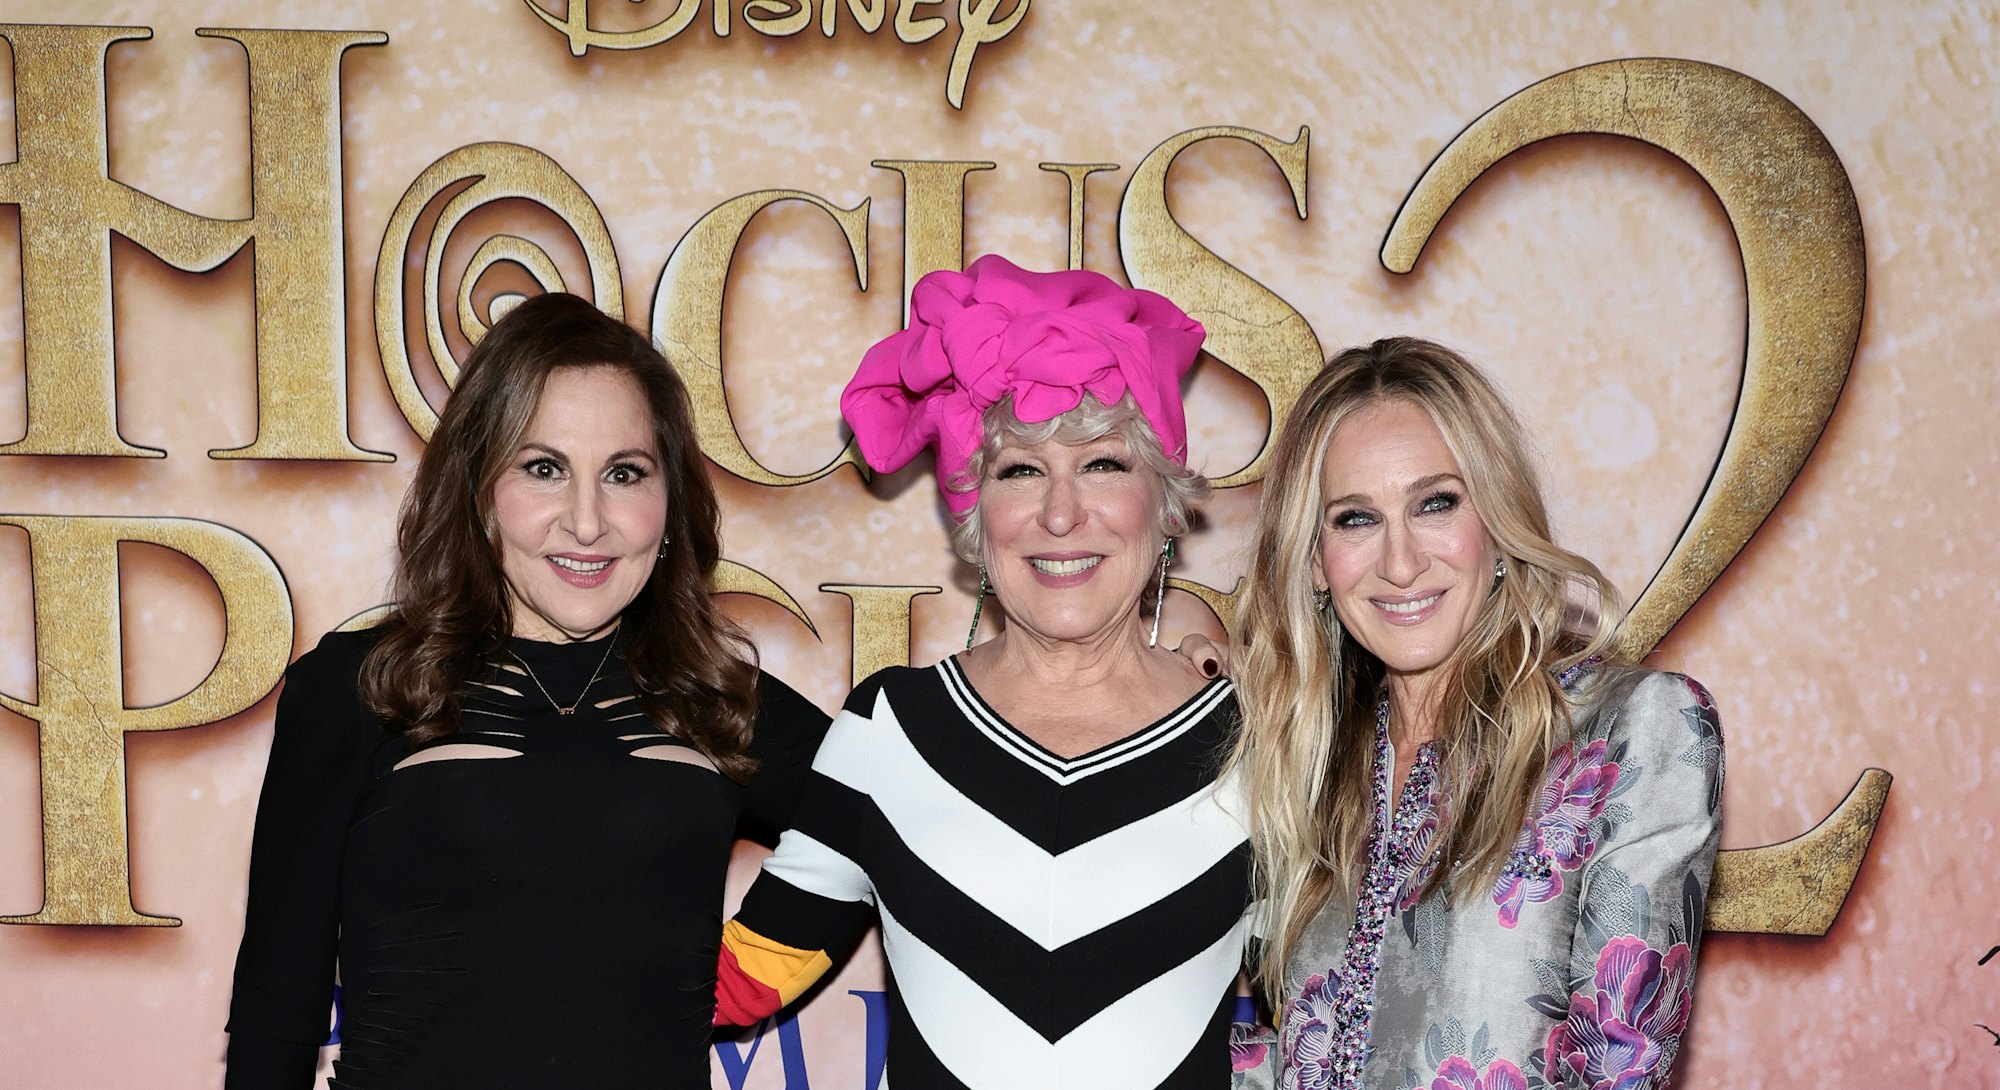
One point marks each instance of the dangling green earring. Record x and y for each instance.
(978, 606)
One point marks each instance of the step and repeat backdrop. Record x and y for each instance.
(1734, 264)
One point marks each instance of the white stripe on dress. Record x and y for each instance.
(979, 1040)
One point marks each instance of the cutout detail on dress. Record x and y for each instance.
(455, 751)
(671, 752)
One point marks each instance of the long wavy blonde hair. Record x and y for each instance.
(1308, 692)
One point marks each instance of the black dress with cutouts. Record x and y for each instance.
(534, 901)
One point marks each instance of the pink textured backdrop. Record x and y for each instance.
(1597, 278)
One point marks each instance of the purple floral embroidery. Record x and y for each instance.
(1702, 716)
(1706, 723)
(1458, 1073)
(1308, 1044)
(1249, 1044)
(1427, 816)
(1325, 1036)
(1557, 836)
(1624, 1032)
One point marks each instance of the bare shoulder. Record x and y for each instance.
(1177, 672)
(1165, 682)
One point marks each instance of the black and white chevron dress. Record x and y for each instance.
(1049, 923)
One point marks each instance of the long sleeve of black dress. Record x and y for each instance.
(321, 758)
(532, 901)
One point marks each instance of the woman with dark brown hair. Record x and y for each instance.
(506, 811)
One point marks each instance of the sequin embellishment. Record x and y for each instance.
(1326, 1027)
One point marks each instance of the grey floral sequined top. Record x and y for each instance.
(1575, 970)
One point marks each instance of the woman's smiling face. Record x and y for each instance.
(1071, 535)
(1402, 550)
(581, 507)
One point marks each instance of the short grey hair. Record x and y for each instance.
(1182, 489)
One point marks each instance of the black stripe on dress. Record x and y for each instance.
(1056, 816)
(1051, 991)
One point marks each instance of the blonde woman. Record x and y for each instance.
(1483, 843)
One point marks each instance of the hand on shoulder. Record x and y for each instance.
(1209, 659)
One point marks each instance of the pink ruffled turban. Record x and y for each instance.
(997, 331)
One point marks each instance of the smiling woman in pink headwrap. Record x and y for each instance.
(1060, 881)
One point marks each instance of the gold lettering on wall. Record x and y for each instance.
(933, 216)
(912, 29)
(881, 628)
(70, 206)
(1785, 191)
(79, 705)
(687, 322)
(777, 18)
(1221, 603)
(497, 171)
(1799, 231)
(867, 14)
(575, 25)
(1077, 173)
(977, 26)
(1249, 328)
(734, 578)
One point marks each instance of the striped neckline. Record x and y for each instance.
(1068, 770)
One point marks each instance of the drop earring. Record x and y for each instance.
(1322, 598)
(1160, 592)
(664, 542)
(978, 607)
(1499, 569)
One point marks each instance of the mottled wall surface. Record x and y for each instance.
(1597, 278)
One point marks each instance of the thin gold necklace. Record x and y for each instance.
(571, 710)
